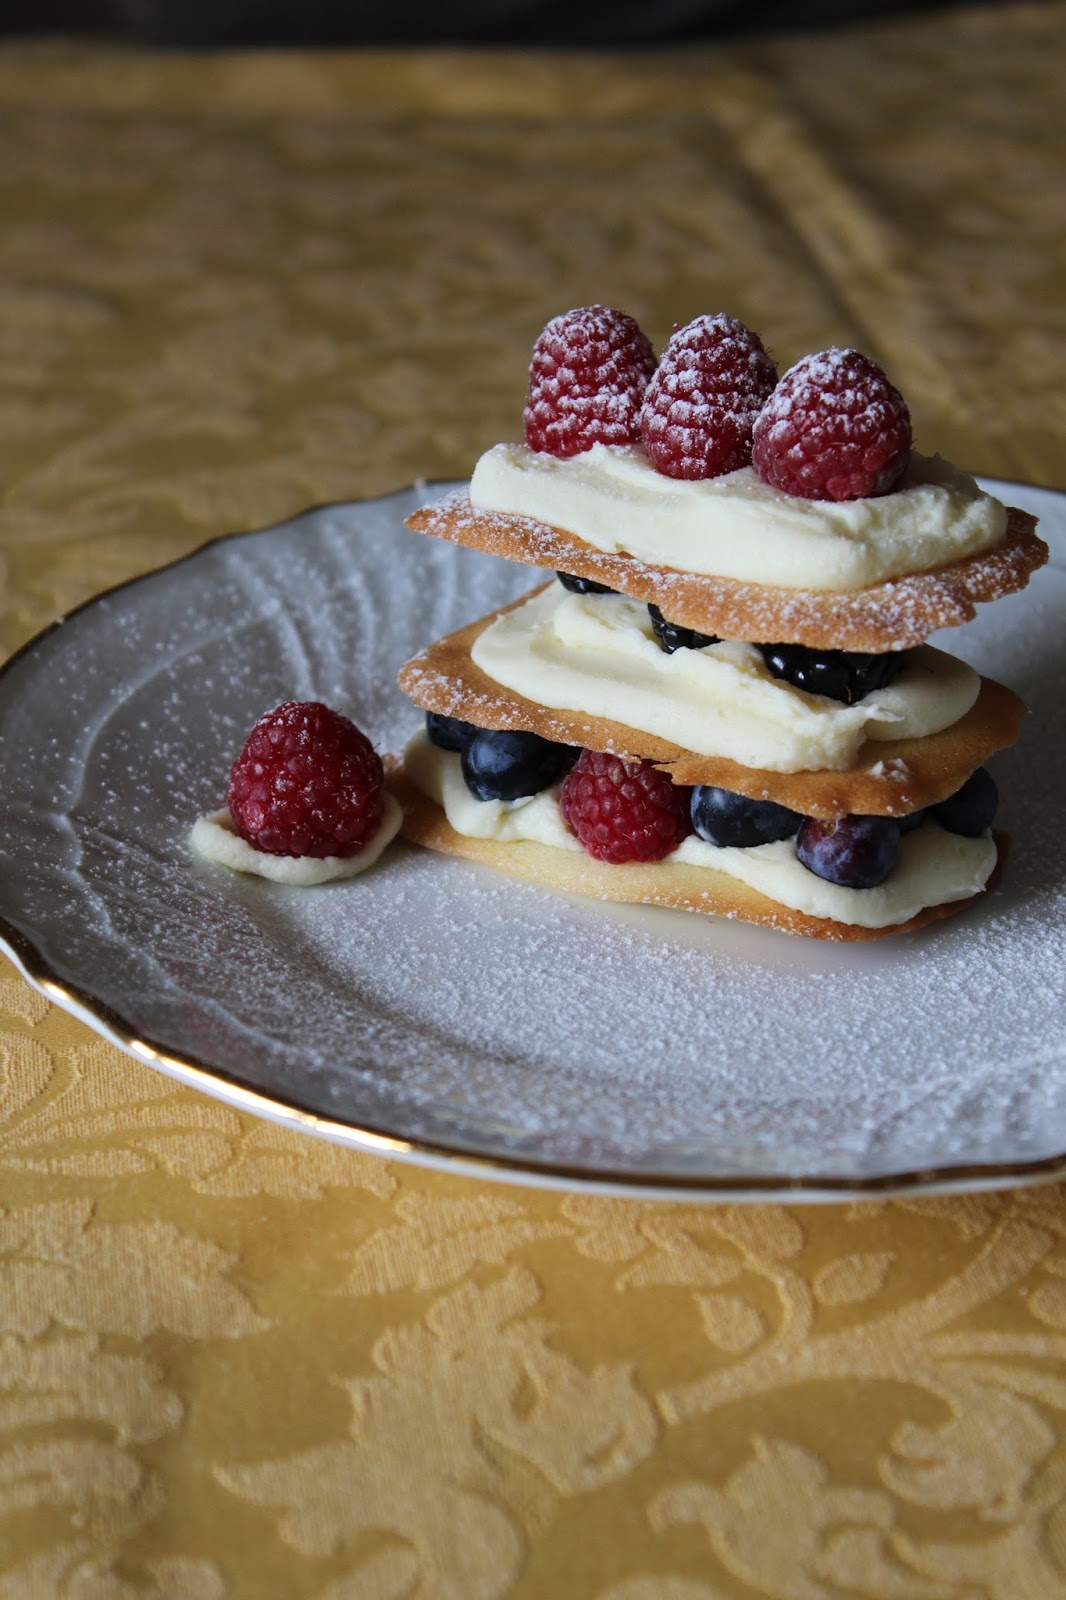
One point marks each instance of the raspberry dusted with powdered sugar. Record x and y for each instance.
(624, 811)
(587, 379)
(709, 387)
(307, 783)
(835, 428)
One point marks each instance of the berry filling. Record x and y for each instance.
(972, 809)
(733, 821)
(500, 763)
(448, 733)
(623, 811)
(508, 764)
(672, 636)
(577, 585)
(855, 852)
(844, 675)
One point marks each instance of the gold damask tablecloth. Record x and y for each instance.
(238, 1362)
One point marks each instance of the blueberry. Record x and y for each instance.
(583, 585)
(724, 818)
(912, 820)
(505, 764)
(856, 852)
(971, 809)
(448, 733)
(672, 636)
(845, 675)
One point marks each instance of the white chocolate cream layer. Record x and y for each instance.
(598, 654)
(934, 867)
(736, 526)
(214, 839)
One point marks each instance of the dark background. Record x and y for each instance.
(577, 22)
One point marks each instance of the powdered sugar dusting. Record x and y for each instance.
(437, 1001)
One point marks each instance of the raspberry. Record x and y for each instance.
(587, 379)
(834, 428)
(708, 389)
(307, 783)
(624, 810)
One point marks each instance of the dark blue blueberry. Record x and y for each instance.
(971, 809)
(724, 818)
(912, 820)
(845, 675)
(583, 585)
(672, 636)
(505, 764)
(856, 852)
(448, 733)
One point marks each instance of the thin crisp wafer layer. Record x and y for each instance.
(888, 616)
(661, 883)
(888, 778)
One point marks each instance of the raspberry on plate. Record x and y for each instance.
(587, 379)
(307, 783)
(710, 385)
(835, 428)
(624, 811)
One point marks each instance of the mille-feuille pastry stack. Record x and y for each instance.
(723, 701)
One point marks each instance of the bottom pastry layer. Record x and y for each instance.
(676, 884)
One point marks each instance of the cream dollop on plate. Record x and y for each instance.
(214, 839)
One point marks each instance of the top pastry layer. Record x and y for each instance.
(893, 614)
(736, 525)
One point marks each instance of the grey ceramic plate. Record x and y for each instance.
(436, 1011)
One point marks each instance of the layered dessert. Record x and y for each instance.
(724, 699)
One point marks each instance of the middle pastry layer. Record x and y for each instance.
(890, 776)
(598, 655)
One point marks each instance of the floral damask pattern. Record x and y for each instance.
(237, 1362)
(495, 1390)
(750, 1397)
